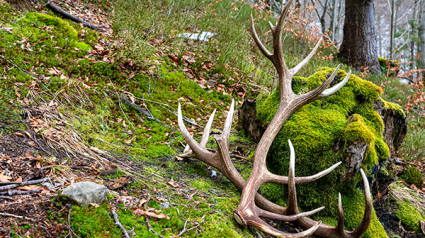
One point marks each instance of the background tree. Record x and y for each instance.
(358, 47)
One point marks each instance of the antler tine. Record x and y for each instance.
(194, 146)
(361, 229)
(258, 41)
(335, 88)
(316, 93)
(277, 33)
(228, 123)
(263, 226)
(207, 129)
(292, 191)
(299, 66)
(337, 232)
(340, 227)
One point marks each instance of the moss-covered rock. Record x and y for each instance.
(389, 65)
(405, 209)
(321, 133)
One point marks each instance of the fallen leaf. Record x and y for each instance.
(161, 199)
(179, 158)
(173, 183)
(94, 205)
(18, 134)
(4, 178)
(422, 226)
(140, 212)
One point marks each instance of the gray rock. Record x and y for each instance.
(48, 185)
(164, 205)
(84, 193)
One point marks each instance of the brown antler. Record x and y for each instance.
(248, 211)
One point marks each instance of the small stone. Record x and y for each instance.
(84, 193)
(164, 205)
(48, 185)
(213, 173)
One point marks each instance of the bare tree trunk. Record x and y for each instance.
(340, 10)
(358, 47)
(379, 35)
(422, 37)
(333, 19)
(412, 42)
(323, 17)
(392, 29)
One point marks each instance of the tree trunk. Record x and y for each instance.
(392, 29)
(422, 37)
(333, 19)
(340, 10)
(358, 47)
(412, 42)
(323, 17)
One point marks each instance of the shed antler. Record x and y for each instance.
(250, 211)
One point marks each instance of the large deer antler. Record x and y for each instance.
(250, 211)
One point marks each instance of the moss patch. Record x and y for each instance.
(314, 129)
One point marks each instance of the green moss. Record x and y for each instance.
(354, 210)
(314, 129)
(357, 130)
(405, 210)
(394, 107)
(385, 64)
(414, 176)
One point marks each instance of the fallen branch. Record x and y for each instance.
(183, 231)
(65, 14)
(17, 192)
(137, 108)
(24, 183)
(15, 216)
(117, 222)
(6, 198)
(150, 228)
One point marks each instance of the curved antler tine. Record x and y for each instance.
(186, 149)
(292, 197)
(286, 218)
(361, 229)
(207, 129)
(229, 120)
(340, 227)
(189, 139)
(298, 180)
(279, 25)
(317, 176)
(297, 68)
(315, 94)
(335, 88)
(258, 41)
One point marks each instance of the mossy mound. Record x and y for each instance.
(315, 130)
(391, 65)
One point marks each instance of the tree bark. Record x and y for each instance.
(358, 46)
(392, 29)
(422, 37)
(412, 42)
(333, 19)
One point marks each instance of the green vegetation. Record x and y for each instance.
(408, 206)
(414, 176)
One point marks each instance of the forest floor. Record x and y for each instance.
(63, 120)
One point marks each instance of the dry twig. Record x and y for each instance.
(117, 222)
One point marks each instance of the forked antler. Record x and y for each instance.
(250, 211)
